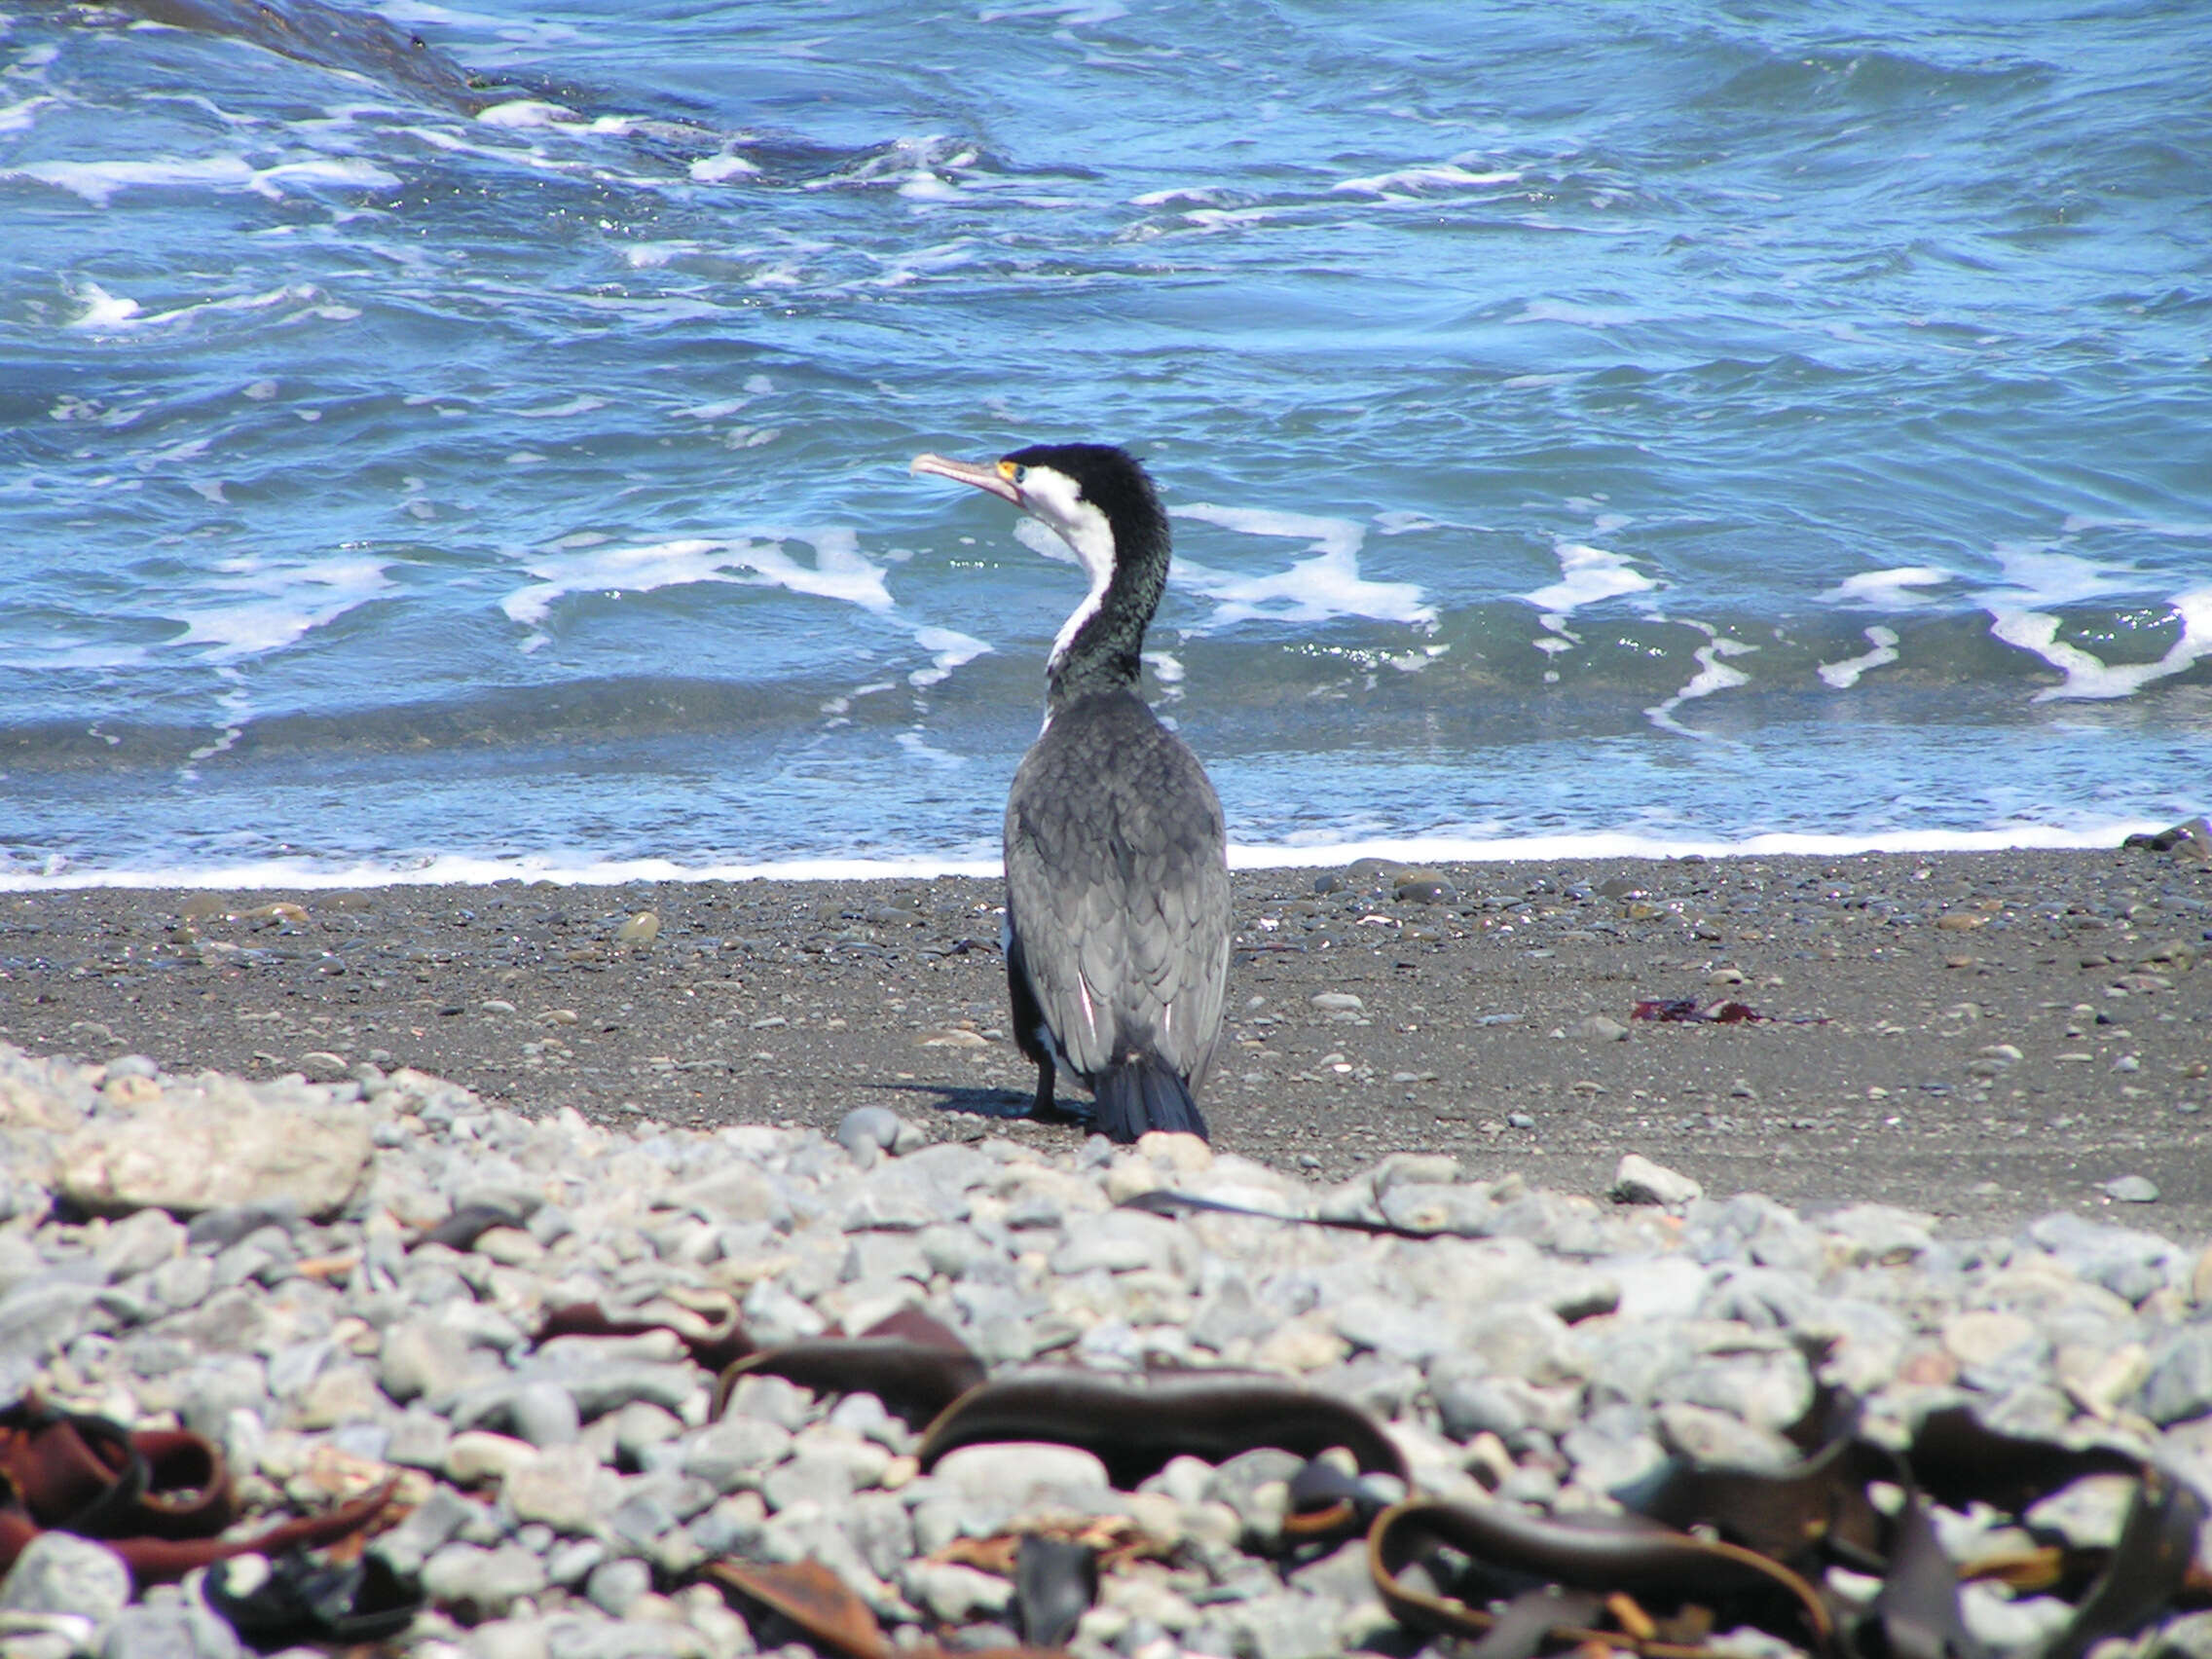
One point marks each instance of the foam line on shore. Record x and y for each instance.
(461, 869)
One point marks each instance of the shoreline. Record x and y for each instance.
(469, 871)
(1984, 1036)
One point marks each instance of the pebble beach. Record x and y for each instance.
(341, 1272)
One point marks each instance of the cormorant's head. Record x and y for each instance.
(1099, 501)
(1095, 495)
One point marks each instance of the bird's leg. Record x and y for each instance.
(1043, 1107)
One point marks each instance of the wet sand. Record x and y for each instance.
(1986, 1037)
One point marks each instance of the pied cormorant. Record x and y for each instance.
(1116, 874)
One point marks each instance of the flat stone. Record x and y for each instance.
(60, 1572)
(616, 1586)
(1021, 1472)
(1392, 1329)
(1639, 1181)
(1523, 1340)
(955, 1592)
(736, 1451)
(1118, 1242)
(564, 1487)
(186, 1627)
(201, 1147)
(874, 1127)
(481, 1583)
(1986, 1336)
(1467, 1210)
(544, 1413)
(430, 1356)
(429, 1525)
(1230, 1315)
(2179, 1385)
(1287, 1625)
(1719, 1439)
(475, 1456)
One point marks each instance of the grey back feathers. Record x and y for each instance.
(1117, 890)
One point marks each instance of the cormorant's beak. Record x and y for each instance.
(995, 476)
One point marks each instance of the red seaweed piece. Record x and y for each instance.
(1689, 1012)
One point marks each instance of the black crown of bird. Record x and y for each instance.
(1117, 875)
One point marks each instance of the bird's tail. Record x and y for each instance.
(1144, 1093)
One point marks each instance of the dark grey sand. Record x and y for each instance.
(1983, 1035)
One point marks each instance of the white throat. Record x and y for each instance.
(1095, 552)
(1055, 500)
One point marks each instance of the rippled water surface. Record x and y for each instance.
(437, 434)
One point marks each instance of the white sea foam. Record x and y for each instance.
(504, 24)
(1587, 575)
(2184, 530)
(582, 404)
(1581, 315)
(1312, 590)
(20, 117)
(583, 870)
(1844, 674)
(104, 313)
(255, 606)
(108, 314)
(948, 649)
(1888, 590)
(1448, 176)
(839, 571)
(1203, 195)
(920, 748)
(2038, 575)
(713, 170)
(1045, 541)
(1232, 218)
(523, 113)
(923, 185)
(1070, 14)
(64, 651)
(98, 182)
(2090, 676)
(1713, 674)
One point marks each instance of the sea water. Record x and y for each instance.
(471, 439)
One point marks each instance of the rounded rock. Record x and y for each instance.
(874, 1127)
(60, 1572)
(615, 1586)
(1639, 1181)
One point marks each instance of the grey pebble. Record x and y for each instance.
(1639, 1181)
(1550, 1346)
(176, 1627)
(60, 1572)
(482, 1583)
(615, 1586)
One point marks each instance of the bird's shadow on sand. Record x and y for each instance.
(1007, 1105)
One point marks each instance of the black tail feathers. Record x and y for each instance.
(1142, 1093)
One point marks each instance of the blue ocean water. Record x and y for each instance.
(472, 439)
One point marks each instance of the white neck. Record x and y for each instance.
(1088, 534)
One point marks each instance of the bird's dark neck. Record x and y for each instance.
(1105, 650)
